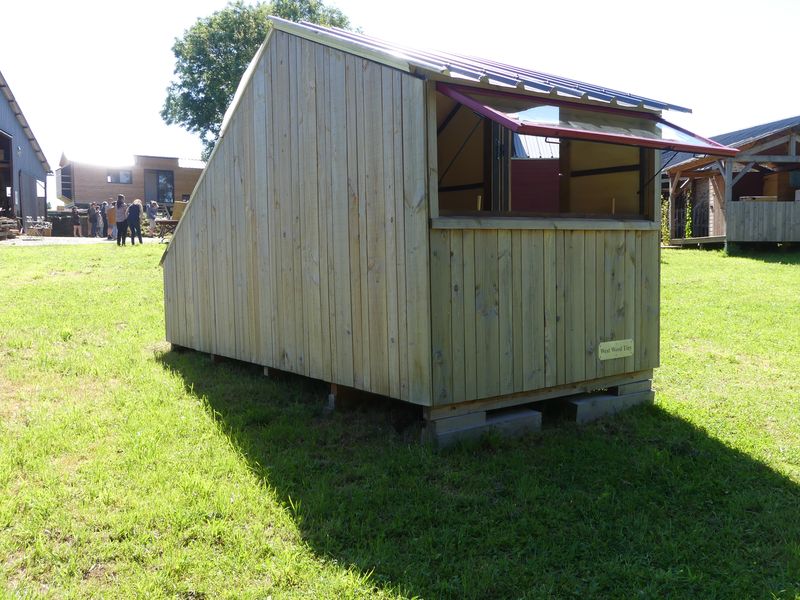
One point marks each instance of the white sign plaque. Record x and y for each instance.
(615, 349)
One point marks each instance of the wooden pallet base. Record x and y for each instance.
(609, 383)
(446, 428)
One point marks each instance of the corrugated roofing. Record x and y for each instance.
(742, 137)
(462, 68)
(23, 122)
(530, 146)
(751, 134)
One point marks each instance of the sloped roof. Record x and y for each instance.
(12, 102)
(463, 68)
(740, 138)
(751, 134)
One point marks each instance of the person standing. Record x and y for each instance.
(104, 218)
(152, 211)
(121, 216)
(93, 220)
(135, 220)
(76, 222)
(111, 216)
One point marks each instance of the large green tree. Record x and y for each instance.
(213, 54)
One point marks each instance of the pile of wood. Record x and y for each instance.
(8, 228)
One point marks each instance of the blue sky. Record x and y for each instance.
(91, 76)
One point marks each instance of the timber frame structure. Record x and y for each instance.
(749, 198)
(364, 221)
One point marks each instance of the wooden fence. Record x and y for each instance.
(750, 221)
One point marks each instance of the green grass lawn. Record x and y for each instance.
(128, 470)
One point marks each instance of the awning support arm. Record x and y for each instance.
(657, 173)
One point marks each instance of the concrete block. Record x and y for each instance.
(629, 388)
(467, 421)
(589, 408)
(512, 423)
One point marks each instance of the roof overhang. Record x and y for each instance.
(23, 122)
(758, 144)
(606, 124)
(459, 68)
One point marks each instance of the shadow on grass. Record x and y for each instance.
(641, 505)
(787, 254)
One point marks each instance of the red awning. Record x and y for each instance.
(546, 117)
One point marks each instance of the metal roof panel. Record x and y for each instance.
(477, 70)
(742, 137)
(23, 122)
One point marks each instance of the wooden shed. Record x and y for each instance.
(453, 232)
(753, 197)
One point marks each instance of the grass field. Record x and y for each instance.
(128, 470)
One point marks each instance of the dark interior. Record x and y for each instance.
(6, 180)
(486, 169)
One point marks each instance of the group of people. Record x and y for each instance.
(119, 217)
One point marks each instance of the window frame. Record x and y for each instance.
(156, 174)
(460, 94)
(114, 176)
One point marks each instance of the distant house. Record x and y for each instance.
(23, 167)
(752, 197)
(158, 178)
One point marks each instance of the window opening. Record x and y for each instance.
(536, 116)
(159, 186)
(122, 176)
(485, 168)
(6, 195)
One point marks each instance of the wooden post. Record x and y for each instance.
(565, 166)
(673, 191)
(728, 194)
(431, 148)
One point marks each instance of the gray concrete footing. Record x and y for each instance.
(447, 431)
(590, 407)
(330, 405)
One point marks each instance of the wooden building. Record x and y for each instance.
(367, 218)
(23, 166)
(751, 197)
(148, 178)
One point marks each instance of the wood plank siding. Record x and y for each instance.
(305, 244)
(750, 221)
(519, 310)
(313, 244)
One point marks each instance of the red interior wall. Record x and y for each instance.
(534, 185)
